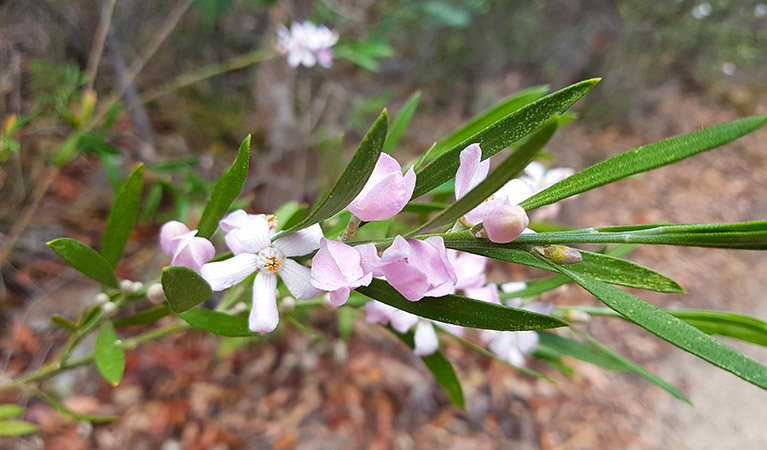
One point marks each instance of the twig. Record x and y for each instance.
(94, 59)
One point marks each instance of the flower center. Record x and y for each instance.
(272, 220)
(269, 259)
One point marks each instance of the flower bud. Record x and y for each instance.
(155, 294)
(505, 223)
(562, 254)
(127, 287)
(101, 298)
(109, 309)
(386, 192)
(575, 315)
(288, 304)
(137, 285)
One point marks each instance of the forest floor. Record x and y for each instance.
(291, 391)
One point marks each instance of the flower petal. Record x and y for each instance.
(224, 274)
(406, 279)
(300, 243)
(339, 296)
(426, 341)
(195, 252)
(298, 278)
(471, 171)
(402, 320)
(168, 233)
(264, 315)
(251, 238)
(377, 312)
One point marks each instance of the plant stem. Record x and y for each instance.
(94, 59)
(351, 228)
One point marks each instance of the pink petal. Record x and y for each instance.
(408, 281)
(168, 232)
(516, 191)
(487, 293)
(300, 243)
(264, 315)
(385, 193)
(484, 209)
(426, 341)
(234, 220)
(506, 223)
(471, 171)
(251, 238)
(369, 259)
(339, 296)
(377, 312)
(195, 252)
(335, 265)
(297, 279)
(224, 274)
(402, 320)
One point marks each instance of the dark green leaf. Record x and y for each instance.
(227, 189)
(400, 122)
(462, 311)
(580, 351)
(424, 207)
(122, 216)
(85, 259)
(217, 322)
(10, 410)
(441, 368)
(352, 180)
(109, 354)
(672, 329)
(500, 134)
(152, 202)
(506, 170)
(184, 288)
(16, 428)
(64, 323)
(290, 214)
(645, 158)
(490, 354)
(144, 317)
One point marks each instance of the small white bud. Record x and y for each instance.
(288, 304)
(126, 287)
(575, 315)
(155, 294)
(101, 298)
(109, 309)
(137, 285)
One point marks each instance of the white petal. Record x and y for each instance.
(402, 320)
(224, 274)
(426, 341)
(301, 242)
(264, 316)
(298, 280)
(252, 237)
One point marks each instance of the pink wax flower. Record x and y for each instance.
(239, 218)
(306, 44)
(257, 253)
(182, 245)
(386, 192)
(469, 269)
(505, 223)
(418, 268)
(338, 268)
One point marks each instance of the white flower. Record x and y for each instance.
(702, 10)
(254, 252)
(306, 44)
(728, 68)
(760, 10)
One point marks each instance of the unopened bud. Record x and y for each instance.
(155, 294)
(505, 223)
(137, 285)
(109, 309)
(288, 304)
(575, 315)
(561, 254)
(127, 287)
(101, 298)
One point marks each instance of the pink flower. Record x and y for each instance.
(386, 192)
(505, 223)
(418, 268)
(182, 245)
(239, 218)
(257, 253)
(469, 269)
(337, 268)
(307, 44)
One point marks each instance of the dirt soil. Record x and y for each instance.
(290, 391)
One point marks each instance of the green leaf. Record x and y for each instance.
(441, 368)
(490, 354)
(462, 311)
(290, 214)
(152, 202)
(217, 322)
(345, 318)
(122, 216)
(634, 367)
(400, 122)
(505, 171)
(723, 323)
(500, 134)
(484, 120)
(9, 410)
(580, 351)
(109, 354)
(144, 317)
(16, 428)
(424, 207)
(85, 259)
(184, 288)
(64, 323)
(352, 180)
(672, 329)
(226, 190)
(645, 158)
(60, 407)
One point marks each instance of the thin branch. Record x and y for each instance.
(94, 59)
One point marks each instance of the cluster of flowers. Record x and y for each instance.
(306, 44)
(415, 268)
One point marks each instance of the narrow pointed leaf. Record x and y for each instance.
(505, 171)
(64, 323)
(144, 317)
(216, 322)
(400, 122)
(441, 368)
(225, 192)
(645, 158)
(109, 354)
(580, 351)
(16, 427)
(462, 311)
(184, 288)
(490, 354)
(352, 180)
(122, 216)
(673, 329)
(290, 214)
(8, 411)
(500, 134)
(85, 259)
